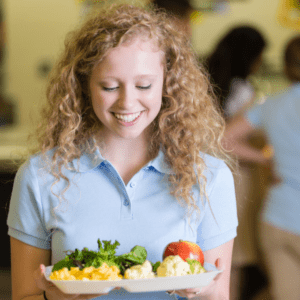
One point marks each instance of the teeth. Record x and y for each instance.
(127, 118)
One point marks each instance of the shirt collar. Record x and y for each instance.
(159, 164)
(89, 161)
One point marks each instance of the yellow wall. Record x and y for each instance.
(259, 13)
(36, 30)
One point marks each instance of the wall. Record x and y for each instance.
(35, 33)
(36, 30)
(259, 13)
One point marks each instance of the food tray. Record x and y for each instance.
(136, 285)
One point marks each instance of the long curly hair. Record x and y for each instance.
(188, 122)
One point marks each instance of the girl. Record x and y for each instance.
(237, 56)
(129, 151)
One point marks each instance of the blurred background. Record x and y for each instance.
(32, 33)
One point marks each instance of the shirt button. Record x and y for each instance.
(132, 184)
(126, 202)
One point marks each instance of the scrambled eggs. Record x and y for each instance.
(90, 273)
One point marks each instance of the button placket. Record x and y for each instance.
(126, 202)
(132, 184)
(131, 188)
(126, 213)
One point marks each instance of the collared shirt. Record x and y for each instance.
(98, 205)
(279, 116)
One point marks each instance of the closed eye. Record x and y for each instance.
(115, 88)
(144, 87)
(110, 89)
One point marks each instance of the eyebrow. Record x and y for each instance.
(143, 76)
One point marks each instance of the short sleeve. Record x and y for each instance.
(25, 218)
(241, 94)
(219, 224)
(255, 115)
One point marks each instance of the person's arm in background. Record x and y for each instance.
(237, 131)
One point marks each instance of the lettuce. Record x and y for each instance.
(106, 253)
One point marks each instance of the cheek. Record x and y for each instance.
(100, 101)
(153, 101)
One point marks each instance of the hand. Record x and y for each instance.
(204, 291)
(54, 293)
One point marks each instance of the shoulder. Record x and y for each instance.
(241, 93)
(241, 85)
(219, 222)
(291, 92)
(36, 163)
(241, 88)
(216, 172)
(213, 164)
(274, 103)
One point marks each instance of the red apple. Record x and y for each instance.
(185, 250)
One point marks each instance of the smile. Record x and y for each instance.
(128, 118)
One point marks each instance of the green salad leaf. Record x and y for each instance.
(155, 266)
(106, 253)
(136, 256)
(65, 263)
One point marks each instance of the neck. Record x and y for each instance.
(118, 150)
(128, 156)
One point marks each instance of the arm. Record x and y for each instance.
(28, 281)
(221, 256)
(235, 140)
(25, 259)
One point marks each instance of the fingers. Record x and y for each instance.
(189, 293)
(90, 296)
(48, 286)
(220, 265)
(40, 279)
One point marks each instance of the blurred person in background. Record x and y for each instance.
(279, 231)
(180, 9)
(6, 107)
(235, 59)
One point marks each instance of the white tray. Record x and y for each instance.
(136, 285)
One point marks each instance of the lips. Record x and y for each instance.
(128, 118)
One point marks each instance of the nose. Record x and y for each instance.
(127, 97)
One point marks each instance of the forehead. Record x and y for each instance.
(134, 56)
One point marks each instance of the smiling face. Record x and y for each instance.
(126, 89)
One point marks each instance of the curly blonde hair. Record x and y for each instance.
(188, 122)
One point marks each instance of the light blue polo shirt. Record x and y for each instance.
(279, 116)
(99, 205)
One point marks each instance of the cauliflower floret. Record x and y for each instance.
(140, 271)
(195, 266)
(173, 265)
